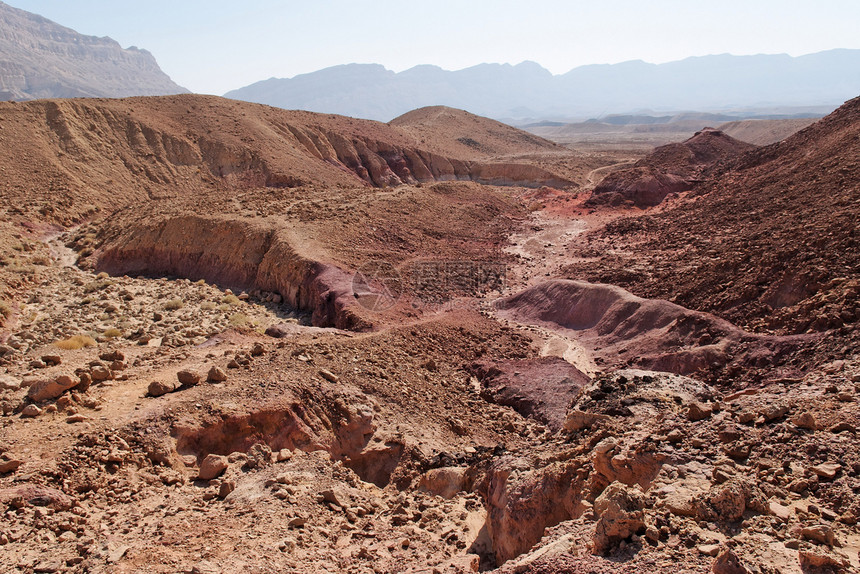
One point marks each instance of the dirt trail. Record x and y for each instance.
(592, 179)
(540, 248)
(62, 255)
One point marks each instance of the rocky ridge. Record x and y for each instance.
(669, 169)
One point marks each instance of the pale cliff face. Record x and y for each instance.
(41, 59)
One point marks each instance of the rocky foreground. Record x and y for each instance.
(192, 441)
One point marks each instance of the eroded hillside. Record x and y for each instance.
(242, 339)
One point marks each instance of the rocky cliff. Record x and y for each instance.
(41, 59)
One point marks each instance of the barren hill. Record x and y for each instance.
(671, 168)
(66, 160)
(765, 132)
(770, 242)
(41, 59)
(453, 132)
(72, 151)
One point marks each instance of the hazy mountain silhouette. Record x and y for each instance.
(707, 83)
(41, 59)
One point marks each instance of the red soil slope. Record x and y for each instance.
(770, 243)
(671, 168)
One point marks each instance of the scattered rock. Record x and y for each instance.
(805, 420)
(445, 482)
(843, 426)
(297, 522)
(44, 390)
(9, 465)
(726, 502)
(329, 376)
(31, 411)
(821, 534)
(820, 560)
(188, 378)
(212, 467)
(227, 486)
(259, 456)
(675, 436)
(827, 471)
(216, 375)
(578, 420)
(709, 549)
(8, 382)
(280, 330)
(116, 554)
(115, 355)
(32, 495)
(782, 512)
(774, 412)
(728, 563)
(258, 350)
(333, 497)
(101, 373)
(86, 381)
(698, 411)
(159, 388)
(48, 566)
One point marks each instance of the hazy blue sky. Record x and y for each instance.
(212, 46)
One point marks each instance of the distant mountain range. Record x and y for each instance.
(41, 59)
(764, 83)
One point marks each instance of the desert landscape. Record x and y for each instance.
(243, 339)
(237, 338)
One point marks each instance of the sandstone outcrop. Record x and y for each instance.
(240, 254)
(538, 388)
(522, 503)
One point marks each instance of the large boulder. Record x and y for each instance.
(47, 389)
(159, 388)
(188, 378)
(212, 466)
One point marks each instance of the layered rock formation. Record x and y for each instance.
(242, 254)
(41, 59)
(114, 152)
